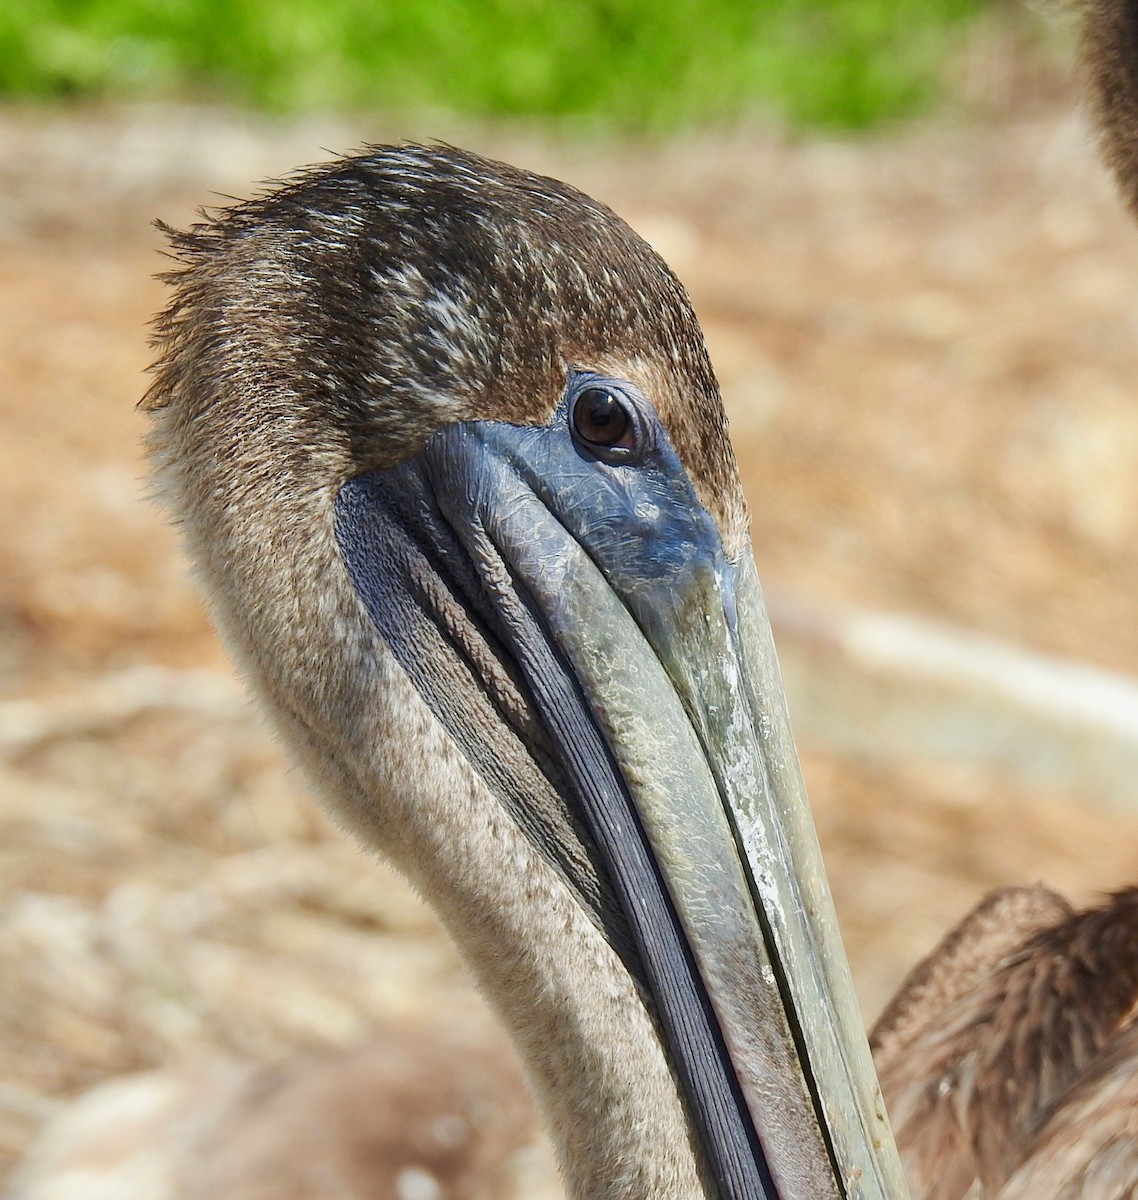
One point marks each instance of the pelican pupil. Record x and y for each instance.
(601, 419)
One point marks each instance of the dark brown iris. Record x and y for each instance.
(601, 419)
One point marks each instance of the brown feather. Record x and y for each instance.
(916, 1066)
(1110, 51)
(1088, 1149)
(981, 1067)
(996, 927)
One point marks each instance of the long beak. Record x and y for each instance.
(649, 658)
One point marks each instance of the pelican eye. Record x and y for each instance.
(601, 420)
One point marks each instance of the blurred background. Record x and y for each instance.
(920, 293)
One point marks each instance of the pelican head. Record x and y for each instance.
(453, 468)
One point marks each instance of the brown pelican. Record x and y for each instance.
(451, 462)
(1009, 1059)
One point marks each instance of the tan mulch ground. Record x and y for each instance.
(929, 347)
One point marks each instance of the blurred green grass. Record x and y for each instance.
(635, 64)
